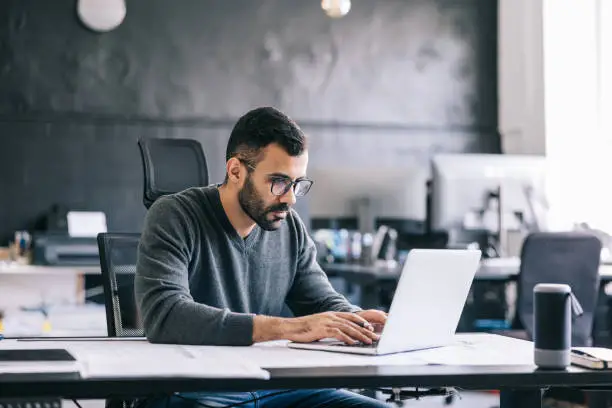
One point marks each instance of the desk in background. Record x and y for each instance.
(496, 272)
(28, 284)
(502, 269)
(26, 289)
(370, 279)
(19, 269)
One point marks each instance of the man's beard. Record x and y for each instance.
(253, 205)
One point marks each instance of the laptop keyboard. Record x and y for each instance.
(358, 344)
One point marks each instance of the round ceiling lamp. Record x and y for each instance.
(336, 8)
(101, 15)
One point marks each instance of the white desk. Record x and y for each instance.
(511, 266)
(17, 269)
(60, 289)
(215, 366)
(490, 269)
(474, 349)
(30, 285)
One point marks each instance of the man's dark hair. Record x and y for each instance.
(261, 127)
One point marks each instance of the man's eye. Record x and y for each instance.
(280, 181)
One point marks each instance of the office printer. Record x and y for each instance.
(64, 250)
(54, 244)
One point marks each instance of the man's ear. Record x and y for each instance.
(234, 170)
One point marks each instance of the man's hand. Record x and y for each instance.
(344, 326)
(376, 317)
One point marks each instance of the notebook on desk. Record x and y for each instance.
(426, 307)
(35, 355)
(597, 358)
(37, 361)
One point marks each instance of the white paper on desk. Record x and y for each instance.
(510, 262)
(39, 368)
(86, 223)
(479, 350)
(276, 354)
(142, 359)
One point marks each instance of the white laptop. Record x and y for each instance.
(426, 307)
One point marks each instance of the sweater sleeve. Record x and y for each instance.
(169, 313)
(311, 291)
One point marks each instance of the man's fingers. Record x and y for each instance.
(356, 332)
(378, 327)
(377, 318)
(373, 316)
(371, 333)
(339, 334)
(360, 321)
(362, 327)
(368, 330)
(353, 335)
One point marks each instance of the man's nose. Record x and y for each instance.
(288, 197)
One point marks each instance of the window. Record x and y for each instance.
(578, 110)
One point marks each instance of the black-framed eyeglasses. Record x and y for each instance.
(279, 186)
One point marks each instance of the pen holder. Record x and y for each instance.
(554, 305)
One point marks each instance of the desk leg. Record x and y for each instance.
(370, 296)
(521, 398)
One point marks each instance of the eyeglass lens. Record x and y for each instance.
(282, 186)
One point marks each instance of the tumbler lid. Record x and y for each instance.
(552, 288)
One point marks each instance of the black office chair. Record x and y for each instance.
(560, 257)
(170, 166)
(571, 258)
(118, 253)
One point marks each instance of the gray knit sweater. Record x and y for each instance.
(199, 282)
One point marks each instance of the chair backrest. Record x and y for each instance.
(170, 166)
(118, 252)
(572, 258)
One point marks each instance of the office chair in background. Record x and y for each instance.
(571, 258)
(170, 166)
(560, 257)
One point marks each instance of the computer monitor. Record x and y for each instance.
(343, 197)
(464, 186)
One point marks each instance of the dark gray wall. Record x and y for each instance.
(393, 81)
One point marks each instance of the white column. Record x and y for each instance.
(521, 73)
